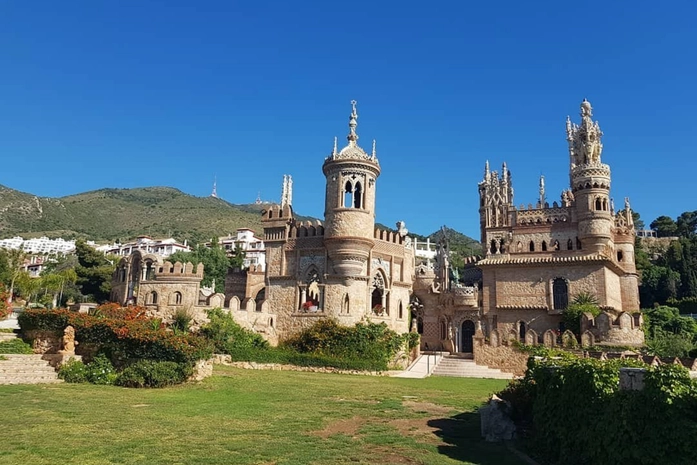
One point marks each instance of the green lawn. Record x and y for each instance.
(252, 417)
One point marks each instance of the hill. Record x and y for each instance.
(111, 214)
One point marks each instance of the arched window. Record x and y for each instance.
(569, 245)
(259, 299)
(401, 311)
(598, 204)
(348, 195)
(519, 246)
(493, 247)
(152, 298)
(620, 256)
(560, 292)
(544, 246)
(378, 296)
(443, 329)
(177, 298)
(532, 246)
(521, 331)
(357, 196)
(345, 307)
(578, 244)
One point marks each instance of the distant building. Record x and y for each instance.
(253, 247)
(39, 246)
(146, 245)
(34, 265)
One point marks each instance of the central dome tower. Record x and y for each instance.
(349, 210)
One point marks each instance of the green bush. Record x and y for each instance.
(181, 320)
(100, 370)
(373, 342)
(579, 414)
(289, 356)
(153, 374)
(582, 303)
(73, 371)
(15, 346)
(228, 336)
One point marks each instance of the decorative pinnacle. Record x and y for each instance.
(542, 190)
(374, 153)
(334, 152)
(353, 122)
(486, 169)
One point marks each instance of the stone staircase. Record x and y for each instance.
(25, 369)
(462, 367)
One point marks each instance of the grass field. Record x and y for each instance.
(252, 417)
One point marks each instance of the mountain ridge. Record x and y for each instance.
(109, 214)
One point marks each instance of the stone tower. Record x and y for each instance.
(590, 181)
(495, 207)
(350, 204)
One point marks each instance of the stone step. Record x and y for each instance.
(26, 369)
(8, 336)
(29, 379)
(466, 368)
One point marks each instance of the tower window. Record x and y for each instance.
(598, 204)
(348, 195)
(620, 256)
(532, 246)
(570, 245)
(357, 196)
(544, 246)
(578, 244)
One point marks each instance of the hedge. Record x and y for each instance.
(579, 415)
(124, 339)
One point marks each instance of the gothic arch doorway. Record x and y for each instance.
(467, 335)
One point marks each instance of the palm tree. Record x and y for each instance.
(15, 263)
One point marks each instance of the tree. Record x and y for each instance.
(237, 259)
(14, 266)
(687, 224)
(664, 226)
(215, 263)
(93, 271)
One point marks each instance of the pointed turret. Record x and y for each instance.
(350, 203)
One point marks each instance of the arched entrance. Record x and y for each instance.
(467, 335)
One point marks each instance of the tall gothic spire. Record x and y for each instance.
(353, 122)
(542, 191)
(287, 192)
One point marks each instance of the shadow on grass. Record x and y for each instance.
(462, 434)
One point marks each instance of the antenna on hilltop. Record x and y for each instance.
(215, 189)
(258, 200)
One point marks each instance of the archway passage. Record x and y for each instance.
(467, 335)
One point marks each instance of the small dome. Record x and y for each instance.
(352, 151)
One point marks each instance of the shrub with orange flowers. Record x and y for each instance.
(130, 337)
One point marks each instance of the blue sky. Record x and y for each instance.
(123, 94)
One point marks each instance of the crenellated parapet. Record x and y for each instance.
(306, 229)
(178, 271)
(388, 236)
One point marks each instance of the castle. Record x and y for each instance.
(538, 258)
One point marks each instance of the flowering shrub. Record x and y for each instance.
(123, 339)
(98, 371)
(116, 311)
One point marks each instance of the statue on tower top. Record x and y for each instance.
(585, 146)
